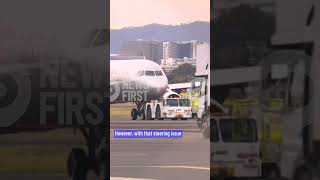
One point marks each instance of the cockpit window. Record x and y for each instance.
(140, 73)
(158, 73)
(149, 73)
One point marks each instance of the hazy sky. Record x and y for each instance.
(127, 13)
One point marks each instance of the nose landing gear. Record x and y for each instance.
(138, 111)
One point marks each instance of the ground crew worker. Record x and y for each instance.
(274, 113)
(232, 102)
(184, 94)
(245, 106)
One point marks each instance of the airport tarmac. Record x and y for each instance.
(147, 159)
(144, 159)
(185, 158)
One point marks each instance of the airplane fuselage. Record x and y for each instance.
(136, 80)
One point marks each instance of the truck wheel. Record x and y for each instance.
(194, 116)
(134, 114)
(149, 115)
(158, 113)
(142, 115)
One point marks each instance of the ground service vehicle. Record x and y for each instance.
(235, 146)
(299, 41)
(283, 77)
(199, 96)
(291, 68)
(297, 63)
(200, 90)
(171, 106)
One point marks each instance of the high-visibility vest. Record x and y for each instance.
(272, 126)
(195, 102)
(184, 94)
(230, 104)
(276, 104)
(272, 120)
(239, 107)
(243, 105)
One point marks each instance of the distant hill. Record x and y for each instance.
(194, 31)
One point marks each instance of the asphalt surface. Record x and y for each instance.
(147, 159)
(167, 159)
(144, 159)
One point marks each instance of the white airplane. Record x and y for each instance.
(136, 80)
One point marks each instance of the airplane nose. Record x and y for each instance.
(162, 89)
(157, 89)
(160, 84)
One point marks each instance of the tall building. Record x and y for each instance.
(152, 50)
(187, 49)
(170, 50)
(191, 52)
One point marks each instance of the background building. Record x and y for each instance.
(187, 49)
(152, 50)
(170, 50)
(169, 54)
(185, 53)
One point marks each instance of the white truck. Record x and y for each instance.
(235, 147)
(200, 98)
(200, 89)
(234, 144)
(297, 64)
(289, 68)
(299, 41)
(170, 106)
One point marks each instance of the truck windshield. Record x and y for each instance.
(172, 102)
(238, 130)
(214, 131)
(184, 102)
